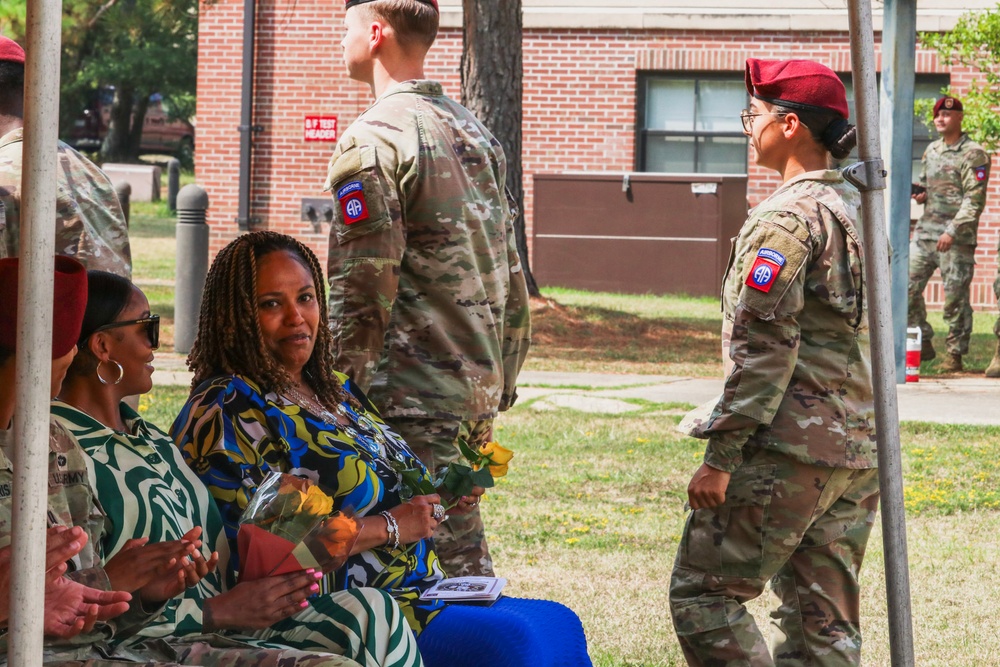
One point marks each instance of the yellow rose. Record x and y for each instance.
(499, 456)
(317, 503)
(498, 470)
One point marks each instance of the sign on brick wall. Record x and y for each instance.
(320, 128)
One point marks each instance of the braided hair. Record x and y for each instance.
(230, 340)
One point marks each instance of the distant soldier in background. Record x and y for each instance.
(953, 177)
(90, 225)
(428, 304)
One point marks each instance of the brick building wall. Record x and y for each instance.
(579, 105)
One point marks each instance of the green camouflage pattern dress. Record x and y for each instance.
(795, 428)
(90, 225)
(428, 303)
(147, 490)
(956, 178)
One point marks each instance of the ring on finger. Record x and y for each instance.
(437, 511)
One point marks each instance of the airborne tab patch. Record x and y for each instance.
(765, 269)
(352, 202)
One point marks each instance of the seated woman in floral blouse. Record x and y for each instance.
(148, 493)
(266, 397)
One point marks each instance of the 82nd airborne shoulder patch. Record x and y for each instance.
(352, 202)
(765, 269)
(981, 173)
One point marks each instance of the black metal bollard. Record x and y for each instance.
(173, 182)
(192, 264)
(124, 191)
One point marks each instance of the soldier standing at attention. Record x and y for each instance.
(428, 304)
(90, 225)
(955, 171)
(788, 490)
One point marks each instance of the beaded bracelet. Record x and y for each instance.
(392, 528)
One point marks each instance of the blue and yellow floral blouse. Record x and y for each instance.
(232, 435)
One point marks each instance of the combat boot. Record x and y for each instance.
(927, 350)
(993, 370)
(952, 363)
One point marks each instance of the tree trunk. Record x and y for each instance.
(116, 143)
(138, 124)
(491, 89)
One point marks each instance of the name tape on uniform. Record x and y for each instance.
(766, 267)
(352, 202)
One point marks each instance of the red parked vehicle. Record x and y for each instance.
(160, 133)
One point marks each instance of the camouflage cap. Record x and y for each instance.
(350, 3)
(69, 302)
(947, 103)
(799, 84)
(10, 51)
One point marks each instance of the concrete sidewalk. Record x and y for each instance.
(962, 400)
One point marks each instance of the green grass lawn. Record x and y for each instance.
(592, 509)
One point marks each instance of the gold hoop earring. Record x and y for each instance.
(121, 372)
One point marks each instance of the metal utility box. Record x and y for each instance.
(636, 232)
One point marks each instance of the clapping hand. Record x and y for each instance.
(255, 605)
(70, 607)
(162, 570)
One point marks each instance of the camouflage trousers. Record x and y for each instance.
(213, 651)
(460, 541)
(802, 527)
(957, 266)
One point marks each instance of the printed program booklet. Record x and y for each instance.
(483, 590)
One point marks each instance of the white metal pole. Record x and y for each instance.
(34, 329)
(880, 321)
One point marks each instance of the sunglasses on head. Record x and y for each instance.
(152, 328)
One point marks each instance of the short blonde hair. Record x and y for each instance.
(413, 22)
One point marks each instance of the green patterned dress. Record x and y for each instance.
(146, 490)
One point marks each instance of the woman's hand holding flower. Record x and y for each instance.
(466, 504)
(416, 518)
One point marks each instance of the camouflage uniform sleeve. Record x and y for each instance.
(975, 178)
(517, 315)
(765, 338)
(368, 181)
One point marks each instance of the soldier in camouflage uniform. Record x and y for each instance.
(954, 172)
(428, 304)
(90, 225)
(71, 502)
(788, 489)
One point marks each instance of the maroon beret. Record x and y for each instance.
(68, 304)
(10, 51)
(948, 104)
(798, 84)
(350, 3)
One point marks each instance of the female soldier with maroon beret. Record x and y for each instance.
(788, 489)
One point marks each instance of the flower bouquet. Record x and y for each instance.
(288, 526)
